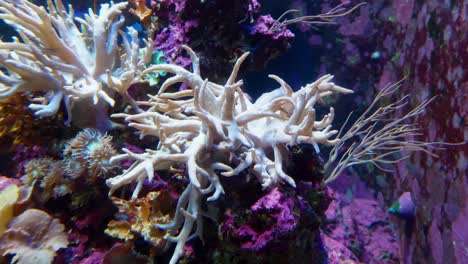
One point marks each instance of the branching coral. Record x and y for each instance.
(377, 138)
(210, 126)
(81, 65)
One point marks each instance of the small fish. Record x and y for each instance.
(403, 207)
(376, 55)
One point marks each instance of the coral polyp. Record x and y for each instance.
(48, 175)
(89, 151)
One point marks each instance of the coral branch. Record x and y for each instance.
(209, 125)
(84, 67)
(325, 18)
(376, 137)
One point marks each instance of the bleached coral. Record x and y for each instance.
(83, 65)
(210, 127)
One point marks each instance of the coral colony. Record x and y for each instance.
(210, 137)
(83, 66)
(217, 126)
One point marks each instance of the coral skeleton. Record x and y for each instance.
(216, 130)
(69, 58)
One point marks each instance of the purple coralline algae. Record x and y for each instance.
(278, 208)
(262, 27)
(219, 39)
(424, 41)
(95, 258)
(23, 154)
(336, 251)
(170, 40)
(359, 221)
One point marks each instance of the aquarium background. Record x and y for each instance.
(415, 214)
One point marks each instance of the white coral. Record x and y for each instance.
(81, 64)
(209, 127)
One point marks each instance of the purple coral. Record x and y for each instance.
(359, 222)
(171, 38)
(277, 209)
(24, 154)
(263, 25)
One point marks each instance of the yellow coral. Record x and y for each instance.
(8, 198)
(141, 10)
(120, 229)
(141, 217)
(19, 125)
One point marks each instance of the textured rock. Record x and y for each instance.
(424, 41)
(359, 222)
(33, 237)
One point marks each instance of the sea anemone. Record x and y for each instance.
(89, 154)
(54, 178)
(49, 176)
(35, 170)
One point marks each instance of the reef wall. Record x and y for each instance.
(424, 41)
